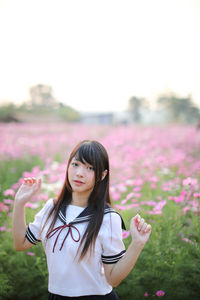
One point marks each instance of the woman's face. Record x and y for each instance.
(81, 176)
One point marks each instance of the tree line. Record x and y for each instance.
(177, 109)
(42, 103)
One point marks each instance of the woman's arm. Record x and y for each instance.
(140, 232)
(25, 193)
(19, 228)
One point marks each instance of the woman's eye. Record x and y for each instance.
(74, 164)
(90, 168)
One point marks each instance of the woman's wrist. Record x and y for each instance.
(136, 245)
(19, 203)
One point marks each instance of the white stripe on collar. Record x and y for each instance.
(85, 217)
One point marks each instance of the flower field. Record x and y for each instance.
(154, 171)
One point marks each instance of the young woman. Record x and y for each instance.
(81, 233)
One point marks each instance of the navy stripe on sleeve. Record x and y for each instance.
(112, 259)
(30, 236)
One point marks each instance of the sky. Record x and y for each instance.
(97, 54)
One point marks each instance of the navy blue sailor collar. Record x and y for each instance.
(85, 215)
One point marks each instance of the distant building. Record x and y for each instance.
(147, 116)
(97, 118)
(122, 117)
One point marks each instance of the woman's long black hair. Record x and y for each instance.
(94, 154)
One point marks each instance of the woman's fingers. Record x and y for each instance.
(31, 180)
(142, 226)
(148, 228)
(28, 179)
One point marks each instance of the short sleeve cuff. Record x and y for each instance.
(112, 259)
(30, 236)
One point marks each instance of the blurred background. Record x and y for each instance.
(110, 62)
(125, 73)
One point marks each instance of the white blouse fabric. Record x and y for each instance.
(67, 276)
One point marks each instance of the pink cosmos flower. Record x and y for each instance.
(165, 188)
(27, 174)
(134, 200)
(3, 228)
(188, 241)
(35, 169)
(44, 197)
(132, 205)
(8, 201)
(129, 196)
(31, 205)
(53, 178)
(120, 207)
(146, 294)
(153, 186)
(137, 195)
(190, 181)
(159, 206)
(183, 193)
(125, 234)
(115, 196)
(9, 192)
(138, 181)
(185, 209)
(160, 293)
(124, 201)
(196, 195)
(179, 199)
(4, 207)
(153, 179)
(137, 189)
(30, 253)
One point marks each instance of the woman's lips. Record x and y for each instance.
(77, 182)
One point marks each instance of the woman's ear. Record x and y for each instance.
(104, 173)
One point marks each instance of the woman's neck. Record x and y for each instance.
(79, 200)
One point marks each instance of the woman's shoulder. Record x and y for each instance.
(110, 211)
(112, 216)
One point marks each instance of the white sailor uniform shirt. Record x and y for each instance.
(67, 276)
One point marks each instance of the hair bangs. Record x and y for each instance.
(86, 154)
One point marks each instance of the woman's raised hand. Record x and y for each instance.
(140, 230)
(28, 189)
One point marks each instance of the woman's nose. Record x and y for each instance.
(80, 172)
